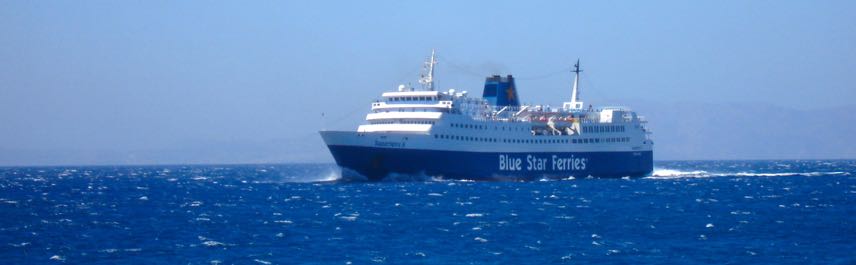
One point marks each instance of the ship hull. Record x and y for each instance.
(376, 163)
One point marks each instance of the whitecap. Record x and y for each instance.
(473, 215)
(532, 248)
(479, 239)
(58, 257)
(212, 243)
(262, 261)
(352, 217)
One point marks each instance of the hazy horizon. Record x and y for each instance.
(143, 83)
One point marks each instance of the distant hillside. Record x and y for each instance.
(749, 131)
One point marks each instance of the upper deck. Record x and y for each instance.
(427, 111)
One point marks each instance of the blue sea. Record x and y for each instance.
(687, 212)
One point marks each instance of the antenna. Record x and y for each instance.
(428, 81)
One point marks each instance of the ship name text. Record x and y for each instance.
(541, 163)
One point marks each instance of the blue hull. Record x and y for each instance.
(376, 163)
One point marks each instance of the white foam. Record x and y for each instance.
(329, 175)
(673, 173)
(212, 243)
(663, 173)
(22, 244)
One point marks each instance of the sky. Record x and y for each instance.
(171, 82)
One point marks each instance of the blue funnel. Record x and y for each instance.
(500, 91)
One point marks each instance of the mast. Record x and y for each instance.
(575, 103)
(428, 81)
(575, 93)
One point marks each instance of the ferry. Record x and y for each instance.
(451, 135)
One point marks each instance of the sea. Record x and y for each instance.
(686, 212)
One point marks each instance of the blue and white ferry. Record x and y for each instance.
(450, 135)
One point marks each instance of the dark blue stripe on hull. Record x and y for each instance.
(376, 163)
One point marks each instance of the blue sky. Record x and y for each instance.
(95, 82)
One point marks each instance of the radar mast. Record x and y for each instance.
(575, 93)
(427, 78)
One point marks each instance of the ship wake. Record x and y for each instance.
(664, 173)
